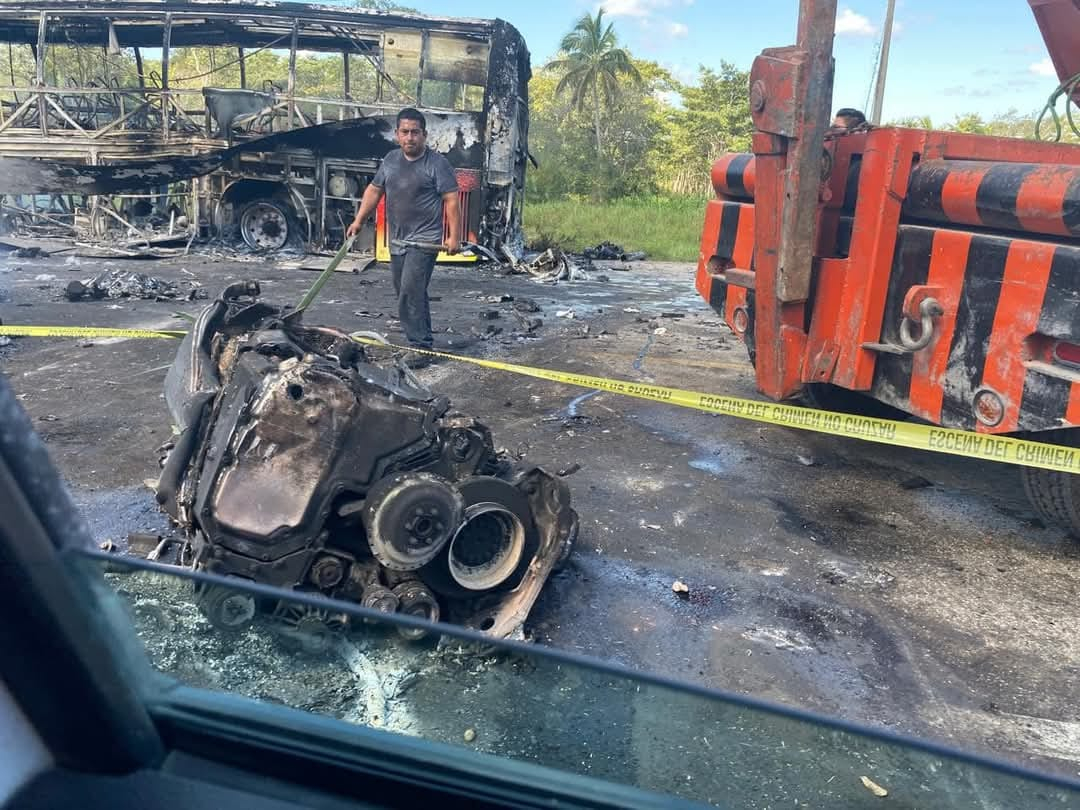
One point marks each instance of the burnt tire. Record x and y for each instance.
(1055, 496)
(267, 224)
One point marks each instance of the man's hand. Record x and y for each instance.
(372, 195)
(452, 212)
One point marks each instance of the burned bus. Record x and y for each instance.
(260, 121)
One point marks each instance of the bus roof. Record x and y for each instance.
(220, 22)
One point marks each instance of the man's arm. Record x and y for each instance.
(452, 212)
(372, 195)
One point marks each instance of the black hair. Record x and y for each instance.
(856, 117)
(412, 114)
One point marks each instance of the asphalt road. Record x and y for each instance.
(905, 590)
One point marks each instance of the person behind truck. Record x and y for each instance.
(419, 184)
(848, 119)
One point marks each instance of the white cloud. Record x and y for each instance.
(639, 8)
(685, 73)
(850, 23)
(1043, 68)
(652, 16)
(631, 8)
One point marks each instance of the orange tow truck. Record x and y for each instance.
(934, 274)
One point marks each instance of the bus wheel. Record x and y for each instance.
(267, 224)
(1055, 495)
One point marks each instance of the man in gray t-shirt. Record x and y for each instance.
(419, 184)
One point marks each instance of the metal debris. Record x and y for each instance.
(522, 304)
(528, 324)
(552, 266)
(611, 252)
(126, 284)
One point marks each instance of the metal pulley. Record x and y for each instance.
(409, 518)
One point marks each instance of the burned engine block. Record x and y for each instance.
(303, 464)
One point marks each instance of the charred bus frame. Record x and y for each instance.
(469, 77)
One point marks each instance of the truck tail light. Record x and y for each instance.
(1067, 353)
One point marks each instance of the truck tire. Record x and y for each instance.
(1055, 495)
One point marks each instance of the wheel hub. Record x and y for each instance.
(264, 227)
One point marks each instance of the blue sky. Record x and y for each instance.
(948, 56)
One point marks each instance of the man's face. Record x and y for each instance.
(411, 137)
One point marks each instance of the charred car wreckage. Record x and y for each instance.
(302, 463)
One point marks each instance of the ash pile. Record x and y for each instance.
(303, 464)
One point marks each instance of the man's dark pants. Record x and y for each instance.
(411, 271)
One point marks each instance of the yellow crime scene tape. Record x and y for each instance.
(883, 431)
(86, 332)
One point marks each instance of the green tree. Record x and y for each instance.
(912, 122)
(712, 118)
(634, 131)
(972, 123)
(591, 65)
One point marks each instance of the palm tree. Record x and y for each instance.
(591, 64)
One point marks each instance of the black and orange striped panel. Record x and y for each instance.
(1015, 197)
(999, 294)
(728, 236)
(733, 176)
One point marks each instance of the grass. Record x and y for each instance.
(666, 228)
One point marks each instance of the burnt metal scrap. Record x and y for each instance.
(125, 284)
(372, 136)
(609, 251)
(303, 464)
